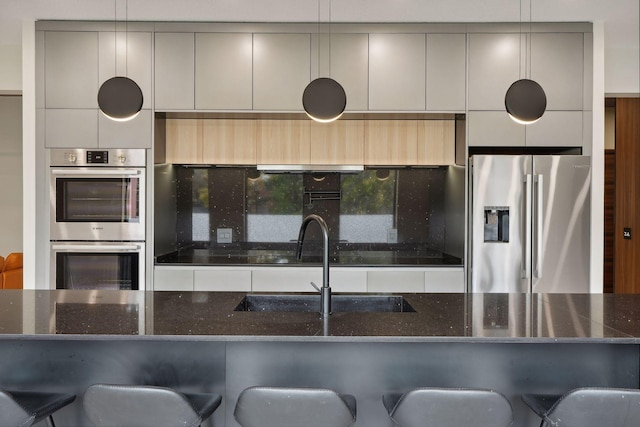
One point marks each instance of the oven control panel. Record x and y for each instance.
(97, 157)
(111, 157)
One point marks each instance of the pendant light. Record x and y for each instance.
(525, 100)
(324, 99)
(120, 98)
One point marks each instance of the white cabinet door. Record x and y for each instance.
(444, 280)
(174, 71)
(223, 280)
(557, 63)
(397, 72)
(556, 129)
(395, 280)
(494, 129)
(71, 69)
(349, 66)
(281, 70)
(223, 71)
(71, 128)
(446, 72)
(346, 279)
(173, 279)
(493, 64)
(285, 279)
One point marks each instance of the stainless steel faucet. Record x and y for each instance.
(325, 291)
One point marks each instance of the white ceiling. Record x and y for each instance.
(619, 17)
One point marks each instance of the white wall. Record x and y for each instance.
(10, 174)
(10, 69)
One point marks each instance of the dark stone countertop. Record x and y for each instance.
(282, 257)
(69, 314)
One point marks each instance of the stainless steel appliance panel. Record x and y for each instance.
(98, 265)
(112, 157)
(530, 223)
(500, 224)
(97, 195)
(561, 251)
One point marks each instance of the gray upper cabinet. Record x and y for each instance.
(281, 70)
(174, 71)
(556, 129)
(223, 71)
(557, 63)
(349, 66)
(397, 72)
(71, 128)
(493, 67)
(133, 59)
(134, 133)
(75, 64)
(494, 129)
(71, 69)
(446, 72)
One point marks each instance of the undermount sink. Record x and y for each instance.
(339, 303)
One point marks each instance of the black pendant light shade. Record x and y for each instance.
(324, 100)
(525, 101)
(120, 98)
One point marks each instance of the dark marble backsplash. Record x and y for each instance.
(236, 208)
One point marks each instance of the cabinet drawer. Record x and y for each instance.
(222, 280)
(395, 281)
(444, 280)
(170, 279)
(277, 279)
(347, 280)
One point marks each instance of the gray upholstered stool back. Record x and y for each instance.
(294, 407)
(594, 407)
(146, 406)
(25, 408)
(440, 407)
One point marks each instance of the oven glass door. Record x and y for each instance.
(98, 199)
(97, 269)
(97, 204)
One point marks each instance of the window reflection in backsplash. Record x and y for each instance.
(374, 209)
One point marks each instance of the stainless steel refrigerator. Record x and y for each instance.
(530, 223)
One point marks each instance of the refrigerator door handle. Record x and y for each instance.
(539, 224)
(526, 236)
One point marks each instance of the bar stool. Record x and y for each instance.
(25, 408)
(294, 407)
(448, 407)
(587, 407)
(147, 406)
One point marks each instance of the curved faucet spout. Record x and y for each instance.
(325, 292)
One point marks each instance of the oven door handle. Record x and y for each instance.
(124, 172)
(95, 248)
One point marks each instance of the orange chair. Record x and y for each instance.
(12, 271)
(1, 268)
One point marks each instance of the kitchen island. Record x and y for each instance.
(197, 341)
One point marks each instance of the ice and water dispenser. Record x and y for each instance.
(496, 223)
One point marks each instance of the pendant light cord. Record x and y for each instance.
(319, 40)
(329, 38)
(126, 38)
(520, 43)
(115, 37)
(530, 33)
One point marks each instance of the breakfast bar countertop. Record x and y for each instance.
(60, 314)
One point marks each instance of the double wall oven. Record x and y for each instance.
(97, 226)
